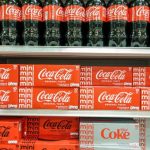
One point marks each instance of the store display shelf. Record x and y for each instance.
(75, 113)
(73, 52)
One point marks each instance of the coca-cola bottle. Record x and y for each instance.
(53, 16)
(32, 19)
(117, 17)
(10, 21)
(139, 15)
(74, 17)
(95, 18)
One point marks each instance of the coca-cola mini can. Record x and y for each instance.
(50, 75)
(105, 76)
(8, 97)
(109, 98)
(10, 130)
(9, 75)
(109, 132)
(48, 98)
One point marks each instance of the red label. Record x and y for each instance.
(10, 12)
(74, 12)
(139, 13)
(32, 12)
(96, 13)
(53, 12)
(117, 12)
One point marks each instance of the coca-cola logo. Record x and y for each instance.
(93, 11)
(63, 124)
(11, 10)
(114, 75)
(33, 11)
(121, 97)
(4, 73)
(141, 11)
(62, 74)
(119, 10)
(119, 134)
(61, 96)
(75, 11)
(4, 96)
(4, 131)
(59, 12)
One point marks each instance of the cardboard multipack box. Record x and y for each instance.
(49, 145)
(9, 75)
(110, 148)
(50, 75)
(109, 132)
(51, 128)
(8, 97)
(144, 134)
(8, 147)
(109, 98)
(10, 130)
(141, 76)
(48, 98)
(145, 98)
(105, 76)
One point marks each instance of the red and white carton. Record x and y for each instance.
(109, 98)
(109, 132)
(145, 98)
(50, 75)
(57, 145)
(110, 148)
(105, 76)
(8, 147)
(49, 145)
(9, 75)
(48, 98)
(8, 97)
(58, 128)
(141, 76)
(10, 130)
(51, 128)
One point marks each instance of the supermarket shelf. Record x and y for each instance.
(74, 113)
(74, 52)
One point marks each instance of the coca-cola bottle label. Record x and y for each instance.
(95, 13)
(10, 12)
(32, 12)
(117, 12)
(53, 12)
(74, 12)
(139, 13)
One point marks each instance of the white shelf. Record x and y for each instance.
(74, 113)
(74, 52)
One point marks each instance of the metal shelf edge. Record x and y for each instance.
(74, 52)
(75, 113)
